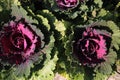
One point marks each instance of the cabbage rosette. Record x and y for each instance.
(25, 44)
(74, 9)
(63, 7)
(93, 47)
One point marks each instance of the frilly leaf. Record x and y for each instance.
(98, 2)
(111, 57)
(5, 4)
(84, 7)
(59, 26)
(49, 47)
(116, 34)
(45, 21)
(18, 12)
(46, 73)
(6, 75)
(56, 25)
(1, 8)
(24, 69)
(102, 13)
(78, 76)
(47, 14)
(106, 67)
(49, 18)
(118, 65)
(100, 76)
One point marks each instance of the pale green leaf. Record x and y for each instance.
(111, 57)
(112, 26)
(1, 8)
(102, 13)
(115, 35)
(100, 76)
(94, 13)
(99, 3)
(59, 26)
(79, 76)
(84, 7)
(105, 68)
(46, 73)
(44, 21)
(6, 4)
(24, 69)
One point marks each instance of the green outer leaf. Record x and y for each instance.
(102, 13)
(116, 34)
(78, 76)
(100, 76)
(59, 26)
(24, 68)
(84, 7)
(106, 67)
(72, 66)
(5, 4)
(46, 73)
(56, 25)
(6, 75)
(49, 16)
(48, 48)
(18, 12)
(44, 21)
(1, 8)
(99, 3)
(111, 57)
